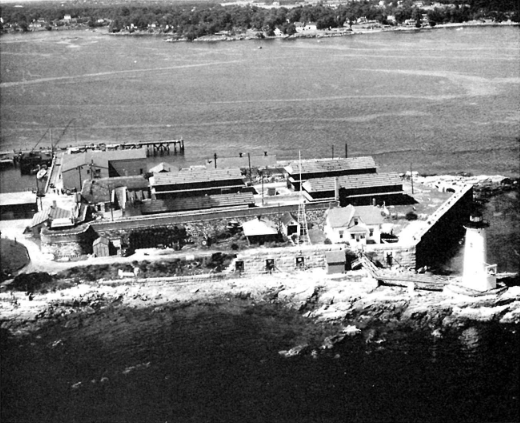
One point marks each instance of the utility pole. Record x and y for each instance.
(249, 160)
(262, 176)
(215, 159)
(79, 173)
(332, 152)
(411, 175)
(346, 150)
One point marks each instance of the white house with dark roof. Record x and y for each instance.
(355, 226)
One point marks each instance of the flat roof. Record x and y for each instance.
(14, 198)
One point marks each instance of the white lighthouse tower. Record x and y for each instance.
(478, 274)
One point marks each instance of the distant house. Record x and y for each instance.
(67, 18)
(260, 230)
(299, 26)
(310, 26)
(355, 226)
(278, 32)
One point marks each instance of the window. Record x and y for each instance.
(341, 234)
(371, 232)
(353, 236)
(356, 221)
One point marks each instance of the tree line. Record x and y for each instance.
(192, 21)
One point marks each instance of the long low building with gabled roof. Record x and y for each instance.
(354, 189)
(237, 200)
(326, 168)
(192, 183)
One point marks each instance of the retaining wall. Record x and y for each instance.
(284, 258)
(68, 243)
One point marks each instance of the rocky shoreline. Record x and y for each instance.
(348, 305)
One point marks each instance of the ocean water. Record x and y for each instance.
(220, 363)
(441, 100)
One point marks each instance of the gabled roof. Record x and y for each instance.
(186, 176)
(343, 217)
(101, 240)
(17, 198)
(334, 257)
(98, 190)
(330, 165)
(259, 227)
(364, 180)
(163, 167)
(47, 213)
(100, 158)
(370, 215)
(198, 203)
(340, 217)
(288, 219)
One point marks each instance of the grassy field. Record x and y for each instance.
(13, 256)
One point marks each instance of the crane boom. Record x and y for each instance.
(36, 145)
(62, 133)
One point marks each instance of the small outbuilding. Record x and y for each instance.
(336, 261)
(260, 230)
(290, 224)
(101, 247)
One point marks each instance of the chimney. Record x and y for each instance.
(336, 189)
(265, 153)
(240, 154)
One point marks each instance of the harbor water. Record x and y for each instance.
(441, 101)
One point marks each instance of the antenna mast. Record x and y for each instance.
(303, 237)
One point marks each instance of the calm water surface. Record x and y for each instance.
(443, 100)
(221, 364)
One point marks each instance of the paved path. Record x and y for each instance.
(40, 263)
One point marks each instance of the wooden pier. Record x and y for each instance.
(153, 148)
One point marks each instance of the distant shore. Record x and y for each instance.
(252, 34)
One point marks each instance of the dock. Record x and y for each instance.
(153, 148)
